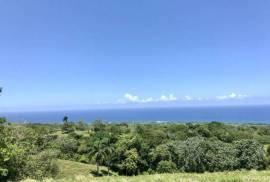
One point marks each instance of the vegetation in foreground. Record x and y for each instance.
(236, 176)
(78, 150)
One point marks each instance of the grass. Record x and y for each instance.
(238, 176)
(62, 135)
(70, 169)
(78, 172)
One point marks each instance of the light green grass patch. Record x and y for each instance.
(237, 176)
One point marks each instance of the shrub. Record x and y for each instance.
(166, 167)
(68, 147)
(193, 155)
(160, 153)
(68, 127)
(42, 165)
(84, 159)
(250, 154)
(220, 156)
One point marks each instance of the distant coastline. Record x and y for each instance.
(228, 114)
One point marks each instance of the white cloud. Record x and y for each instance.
(232, 96)
(188, 98)
(131, 98)
(200, 99)
(168, 98)
(150, 99)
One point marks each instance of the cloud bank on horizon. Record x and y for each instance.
(131, 98)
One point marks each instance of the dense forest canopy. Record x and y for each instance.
(30, 150)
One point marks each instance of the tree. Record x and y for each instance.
(166, 167)
(127, 155)
(8, 150)
(251, 154)
(67, 126)
(130, 163)
(191, 155)
(98, 150)
(220, 156)
(3, 120)
(109, 150)
(160, 153)
(65, 119)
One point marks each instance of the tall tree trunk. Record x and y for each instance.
(108, 172)
(97, 167)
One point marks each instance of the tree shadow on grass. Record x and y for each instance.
(101, 173)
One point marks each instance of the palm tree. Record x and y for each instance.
(98, 151)
(109, 149)
(65, 119)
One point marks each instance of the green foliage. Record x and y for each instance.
(160, 153)
(166, 167)
(3, 120)
(250, 154)
(68, 147)
(81, 126)
(9, 153)
(42, 165)
(129, 165)
(100, 149)
(29, 150)
(193, 155)
(98, 126)
(20, 155)
(67, 126)
(220, 156)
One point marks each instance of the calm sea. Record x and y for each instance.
(233, 114)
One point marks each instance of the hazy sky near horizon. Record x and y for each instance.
(116, 53)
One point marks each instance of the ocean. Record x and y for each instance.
(228, 114)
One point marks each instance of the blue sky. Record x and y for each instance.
(71, 54)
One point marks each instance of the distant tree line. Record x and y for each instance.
(132, 149)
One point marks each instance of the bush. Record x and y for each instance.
(251, 154)
(220, 156)
(84, 159)
(68, 147)
(166, 167)
(68, 127)
(42, 165)
(193, 155)
(81, 125)
(160, 153)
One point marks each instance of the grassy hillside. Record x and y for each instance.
(68, 169)
(78, 172)
(240, 176)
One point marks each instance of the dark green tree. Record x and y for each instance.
(166, 167)
(98, 149)
(251, 154)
